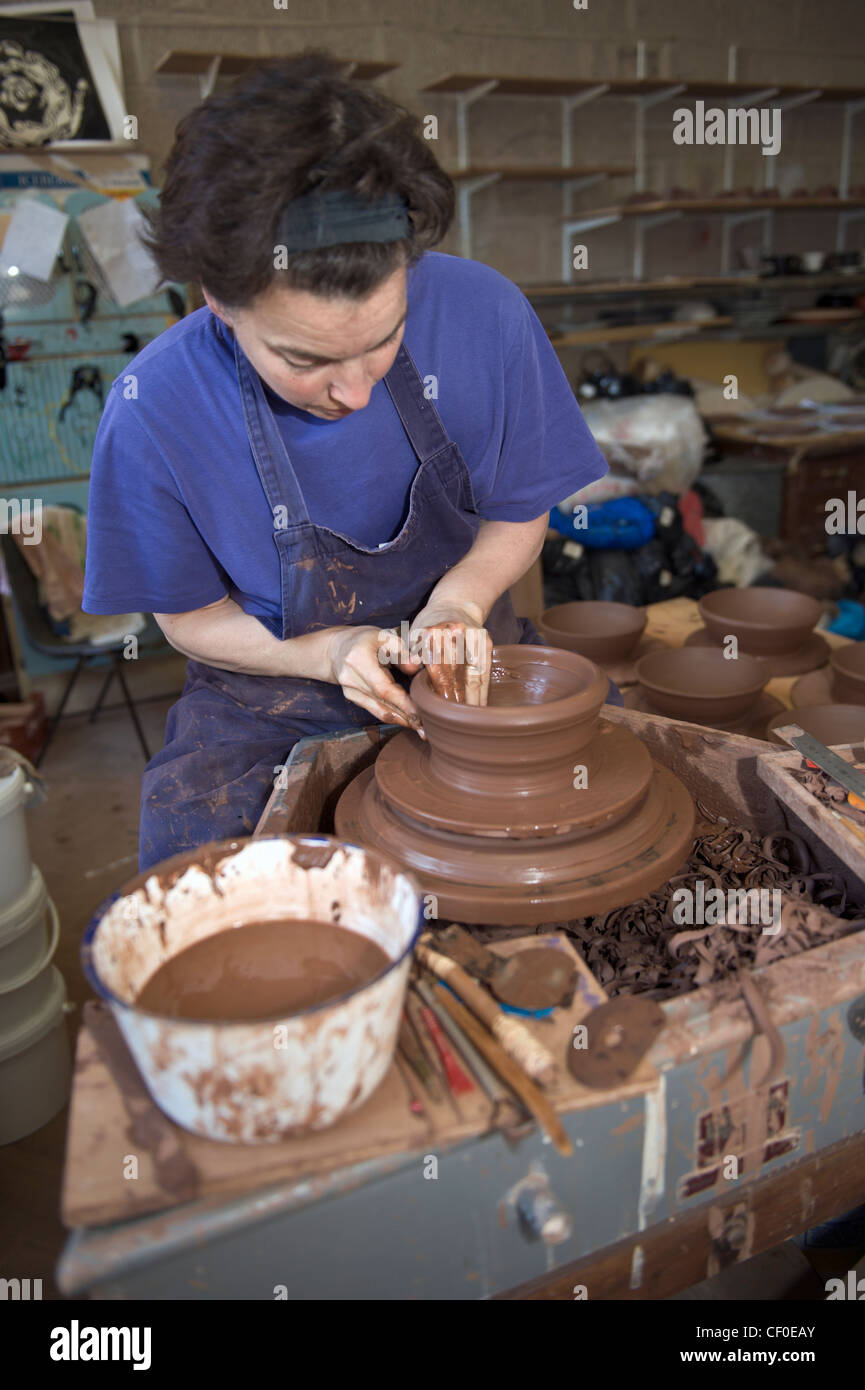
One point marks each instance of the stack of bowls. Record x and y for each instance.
(34, 1048)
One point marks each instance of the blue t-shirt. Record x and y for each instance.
(177, 516)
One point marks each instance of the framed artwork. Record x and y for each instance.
(59, 76)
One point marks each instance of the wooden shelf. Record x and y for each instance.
(677, 284)
(720, 205)
(542, 172)
(182, 62)
(509, 85)
(722, 327)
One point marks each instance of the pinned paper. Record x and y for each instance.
(111, 230)
(33, 239)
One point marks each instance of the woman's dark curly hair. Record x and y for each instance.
(284, 128)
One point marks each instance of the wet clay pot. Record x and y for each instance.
(831, 724)
(604, 632)
(765, 621)
(531, 809)
(848, 673)
(701, 683)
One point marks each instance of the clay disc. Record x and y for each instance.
(619, 1034)
(618, 772)
(813, 653)
(541, 977)
(813, 689)
(750, 725)
(525, 882)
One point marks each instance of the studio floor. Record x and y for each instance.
(84, 839)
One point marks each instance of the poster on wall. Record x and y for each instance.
(59, 76)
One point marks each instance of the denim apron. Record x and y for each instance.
(229, 732)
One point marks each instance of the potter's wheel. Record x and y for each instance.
(486, 815)
(752, 724)
(814, 652)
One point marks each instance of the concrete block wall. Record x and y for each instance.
(517, 227)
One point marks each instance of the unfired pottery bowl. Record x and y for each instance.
(765, 621)
(831, 724)
(543, 707)
(701, 684)
(604, 632)
(848, 673)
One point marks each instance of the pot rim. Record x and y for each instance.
(836, 662)
(548, 618)
(495, 718)
(756, 625)
(102, 990)
(650, 685)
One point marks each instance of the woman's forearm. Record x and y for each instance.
(223, 635)
(501, 554)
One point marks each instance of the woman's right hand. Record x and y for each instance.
(358, 659)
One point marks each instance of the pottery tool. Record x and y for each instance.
(425, 1041)
(531, 1096)
(489, 1083)
(413, 1053)
(516, 1039)
(415, 1104)
(535, 979)
(816, 752)
(458, 1081)
(618, 1036)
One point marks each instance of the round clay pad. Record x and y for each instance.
(541, 977)
(618, 1036)
(751, 725)
(813, 689)
(813, 653)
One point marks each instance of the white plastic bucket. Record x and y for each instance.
(35, 1061)
(26, 942)
(14, 850)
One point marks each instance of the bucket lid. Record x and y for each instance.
(46, 1016)
(24, 911)
(13, 790)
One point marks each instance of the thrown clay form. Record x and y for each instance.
(814, 652)
(767, 622)
(815, 688)
(750, 725)
(604, 632)
(486, 811)
(831, 724)
(701, 683)
(848, 673)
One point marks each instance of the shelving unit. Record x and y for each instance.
(645, 92)
(207, 67)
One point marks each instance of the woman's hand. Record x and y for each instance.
(451, 641)
(359, 657)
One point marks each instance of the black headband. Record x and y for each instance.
(339, 216)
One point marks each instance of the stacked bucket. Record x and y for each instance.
(34, 1047)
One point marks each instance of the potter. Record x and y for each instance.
(284, 490)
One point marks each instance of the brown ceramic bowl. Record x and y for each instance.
(848, 673)
(604, 632)
(765, 621)
(832, 724)
(701, 684)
